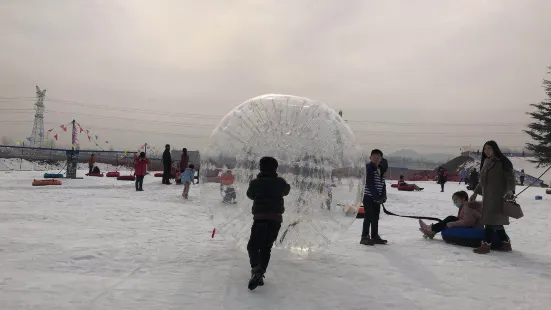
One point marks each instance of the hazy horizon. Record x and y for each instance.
(138, 71)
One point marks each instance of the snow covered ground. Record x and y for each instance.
(17, 164)
(97, 244)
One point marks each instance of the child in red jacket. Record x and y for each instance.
(141, 163)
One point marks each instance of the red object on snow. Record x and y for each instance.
(213, 232)
(394, 185)
(95, 174)
(113, 174)
(361, 213)
(158, 174)
(407, 188)
(126, 178)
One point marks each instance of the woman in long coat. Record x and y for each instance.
(497, 181)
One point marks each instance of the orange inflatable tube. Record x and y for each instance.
(46, 182)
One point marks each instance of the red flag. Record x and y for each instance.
(89, 139)
(55, 136)
(80, 129)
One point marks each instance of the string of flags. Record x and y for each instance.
(77, 130)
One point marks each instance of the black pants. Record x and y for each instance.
(263, 235)
(90, 168)
(521, 181)
(166, 175)
(489, 231)
(438, 227)
(372, 211)
(139, 182)
(442, 185)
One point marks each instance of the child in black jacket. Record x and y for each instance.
(267, 192)
(374, 196)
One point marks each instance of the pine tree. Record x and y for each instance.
(540, 129)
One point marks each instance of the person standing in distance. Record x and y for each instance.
(167, 164)
(374, 196)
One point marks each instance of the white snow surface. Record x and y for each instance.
(17, 164)
(96, 243)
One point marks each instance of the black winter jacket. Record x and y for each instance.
(267, 192)
(167, 159)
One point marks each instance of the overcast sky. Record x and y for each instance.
(398, 69)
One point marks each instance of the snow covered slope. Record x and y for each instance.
(97, 244)
(519, 163)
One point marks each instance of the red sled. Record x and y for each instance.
(126, 178)
(113, 174)
(158, 174)
(407, 188)
(394, 185)
(95, 175)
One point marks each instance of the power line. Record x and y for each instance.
(371, 143)
(182, 124)
(218, 117)
(155, 112)
(439, 124)
(16, 110)
(379, 133)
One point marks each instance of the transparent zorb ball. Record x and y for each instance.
(318, 156)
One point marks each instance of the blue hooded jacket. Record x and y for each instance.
(188, 175)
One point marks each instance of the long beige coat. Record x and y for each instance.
(494, 183)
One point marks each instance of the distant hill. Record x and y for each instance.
(433, 157)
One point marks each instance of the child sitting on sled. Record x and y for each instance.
(401, 182)
(468, 215)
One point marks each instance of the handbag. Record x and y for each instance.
(511, 208)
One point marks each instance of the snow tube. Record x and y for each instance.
(126, 178)
(46, 182)
(394, 185)
(407, 188)
(113, 174)
(158, 174)
(361, 213)
(95, 174)
(468, 236)
(53, 175)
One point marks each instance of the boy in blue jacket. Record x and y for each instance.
(374, 196)
(187, 178)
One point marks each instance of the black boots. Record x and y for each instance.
(257, 275)
(373, 241)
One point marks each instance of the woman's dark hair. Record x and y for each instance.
(401, 177)
(184, 150)
(192, 166)
(142, 154)
(461, 194)
(507, 165)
